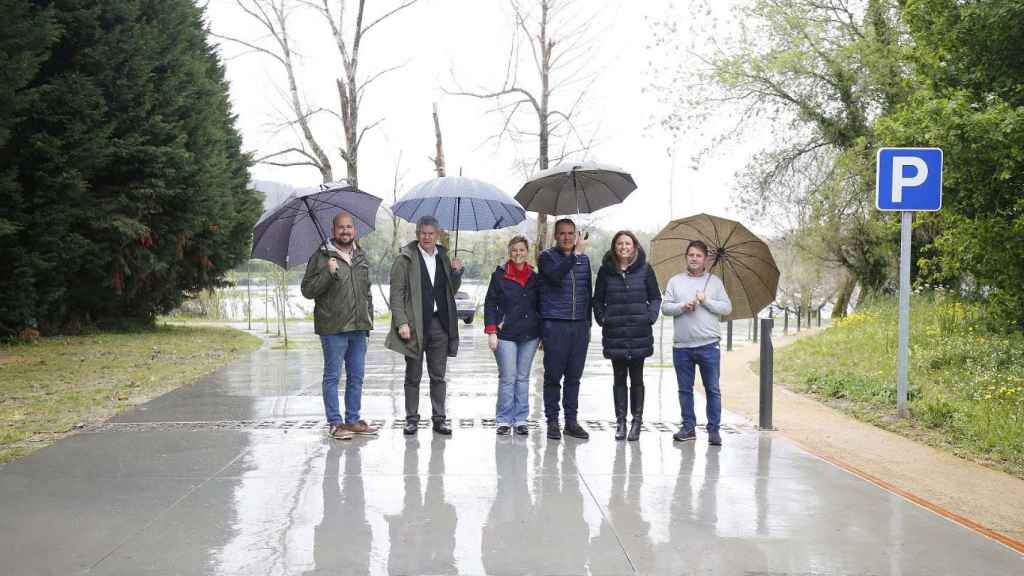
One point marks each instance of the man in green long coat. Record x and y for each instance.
(423, 319)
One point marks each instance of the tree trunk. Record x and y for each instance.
(544, 133)
(439, 158)
(844, 296)
(443, 237)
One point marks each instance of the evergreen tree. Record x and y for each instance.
(25, 38)
(131, 182)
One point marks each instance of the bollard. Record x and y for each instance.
(728, 336)
(819, 316)
(810, 312)
(767, 367)
(785, 321)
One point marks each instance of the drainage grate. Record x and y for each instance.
(317, 424)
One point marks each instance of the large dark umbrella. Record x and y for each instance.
(460, 203)
(575, 188)
(741, 259)
(293, 230)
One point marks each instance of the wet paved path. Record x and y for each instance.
(234, 476)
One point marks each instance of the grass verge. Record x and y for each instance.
(966, 391)
(49, 387)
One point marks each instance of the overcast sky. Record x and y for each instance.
(470, 39)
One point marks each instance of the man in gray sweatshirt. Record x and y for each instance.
(696, 301)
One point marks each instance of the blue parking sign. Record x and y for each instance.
(909, 179)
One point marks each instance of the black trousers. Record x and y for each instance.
(634, 369)
(435, 348)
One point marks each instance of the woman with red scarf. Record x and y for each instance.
(512, 323)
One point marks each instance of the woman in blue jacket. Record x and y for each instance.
(626, 304)
(512, 323)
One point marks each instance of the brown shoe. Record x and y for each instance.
(361, 428)
(338, 432)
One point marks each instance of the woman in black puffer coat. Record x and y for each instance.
(626, 304)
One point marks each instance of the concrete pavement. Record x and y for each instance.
(234, 475)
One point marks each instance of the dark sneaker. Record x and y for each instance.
(714, 438)
(441, 427)
(361, 428)
(338, 432)
(576, 431)
(522, 430)
(554, 432)
(411, 427)
(685, 435)
(504, 430)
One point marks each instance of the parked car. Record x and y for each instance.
(465, 307)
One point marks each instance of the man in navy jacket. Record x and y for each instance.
(565, 307)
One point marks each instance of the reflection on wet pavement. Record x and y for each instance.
(210, 480)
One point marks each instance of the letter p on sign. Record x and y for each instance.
(909, 179)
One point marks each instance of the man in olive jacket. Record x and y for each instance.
(338, 280)
(423, 319)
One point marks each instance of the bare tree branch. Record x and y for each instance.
(387, 15)
(486, 96)
(250, 46)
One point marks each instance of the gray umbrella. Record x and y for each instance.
(460, 203)
(581, 187)
(292, 231)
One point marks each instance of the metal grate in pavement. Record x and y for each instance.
(317, 424)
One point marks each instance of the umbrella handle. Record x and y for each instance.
(712, 267)
(316, 224)
(458, 214)
(575, 193)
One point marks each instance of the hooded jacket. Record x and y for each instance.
(626, 305)
(342, 300)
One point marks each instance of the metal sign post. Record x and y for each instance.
(906, 222)
(906, 193)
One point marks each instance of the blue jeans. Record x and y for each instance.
(708, 358)
(514, 362)
(350, 346)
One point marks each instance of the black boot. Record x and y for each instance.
(636, 405)
(634, 429)
(619, 397)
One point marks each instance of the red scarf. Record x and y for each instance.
(520, 277)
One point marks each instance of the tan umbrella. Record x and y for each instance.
(741, 259)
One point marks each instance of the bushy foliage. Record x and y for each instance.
(966, 378)
(124, 186)
(969, 59)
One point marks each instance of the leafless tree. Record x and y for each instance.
(438, 160)
(272, 17)
(557, 36)
(388, 255)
